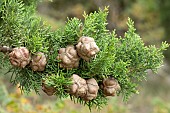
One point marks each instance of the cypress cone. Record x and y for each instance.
(69, 58)
(38, 62)
(79, 86)
(49, 90)
(20, 57)
(110, 86)
(92, 89)
(87, 48)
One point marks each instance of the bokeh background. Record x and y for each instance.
(152, 21)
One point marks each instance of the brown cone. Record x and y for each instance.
(38, 62)
(69, 58)
(79, 86)
(92, 89)
(87, 48)
(110, 86)
(49, 90)
(20, 57)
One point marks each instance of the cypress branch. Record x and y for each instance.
(125, 59)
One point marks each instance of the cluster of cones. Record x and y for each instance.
(86, 49)
(87, 89)
(20, 57)
(69, 57)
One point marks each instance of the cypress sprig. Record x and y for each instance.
(60, 83)
(126, 59)
(72, 31)
(27, 79)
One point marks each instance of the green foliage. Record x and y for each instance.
(95, 24)
(26, 78)
(59, 82)
(4, 61)
(72, 31)
(12, 14)
(20, 27)
(126, 58)
(31, 2)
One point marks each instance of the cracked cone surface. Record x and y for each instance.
(69, 58)
(87, 48)
(38, 62)
(92, 89)
(111, 85)
(79, 86)
(20, 57)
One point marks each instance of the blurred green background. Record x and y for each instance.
(152, 21)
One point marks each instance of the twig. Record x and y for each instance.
(5, 49)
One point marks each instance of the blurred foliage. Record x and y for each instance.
(165, 19)
(147, 20)
(160, 106)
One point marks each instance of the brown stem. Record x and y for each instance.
(5, 49)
